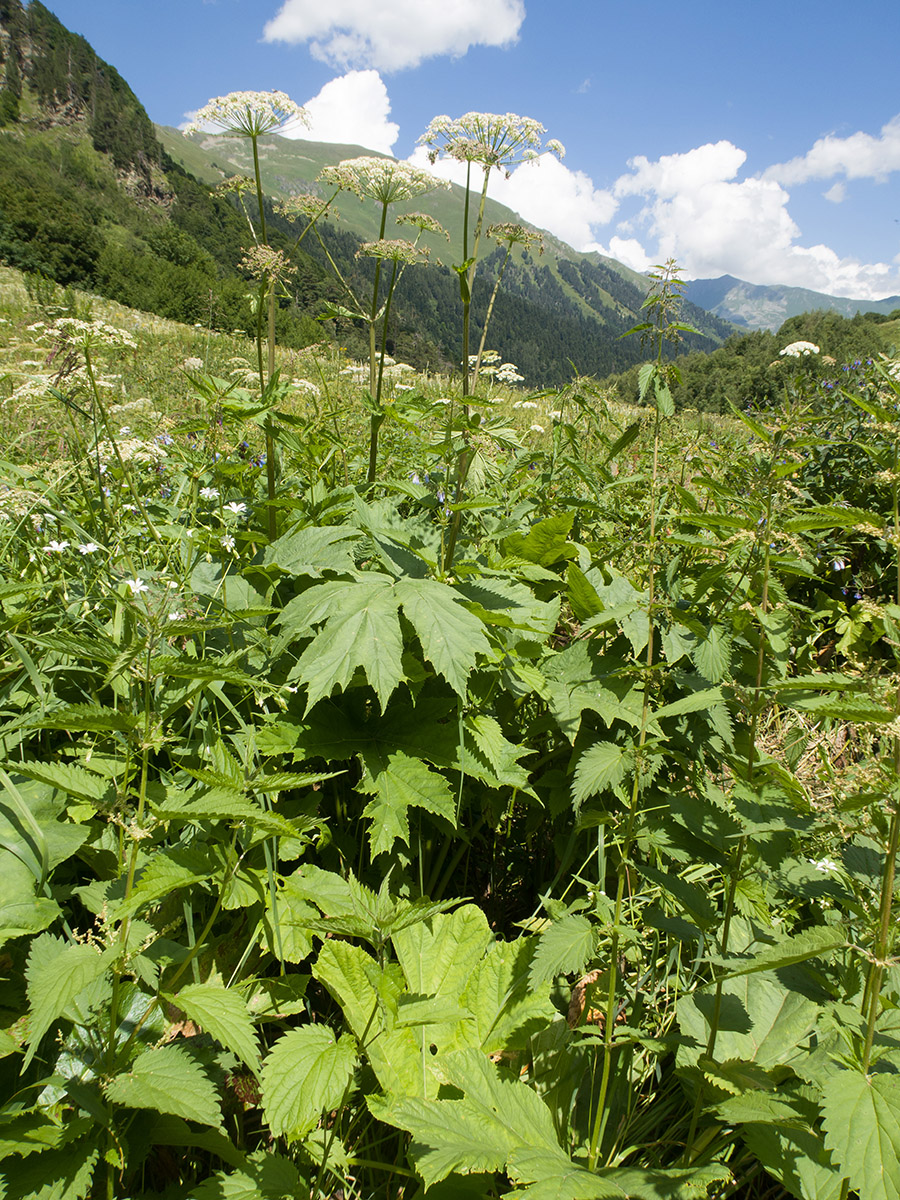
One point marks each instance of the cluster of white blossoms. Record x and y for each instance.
(263, 263)
(381, 179)
(501, 140)
(424, 223)
(73, 331)
(799, 350)
(510, 234)
(500, 372)
(130, 450)
(247, 114)
(394, 250)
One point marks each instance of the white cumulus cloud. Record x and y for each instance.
(544, 193)
(354, 109)
(393, 34)
(695, 209)
(859, 156)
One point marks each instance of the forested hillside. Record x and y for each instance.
(749, 370)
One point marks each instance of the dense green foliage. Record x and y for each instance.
(568, 873)
(748, 372)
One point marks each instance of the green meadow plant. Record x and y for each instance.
(339, 863)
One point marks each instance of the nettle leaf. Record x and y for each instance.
(362, 630)
(565, 947)
(171, 1081)
(313, 550)
(66, 777)
(801, 946)
(712, 655)
(600, 769)
(222, 1013)
(551, 1175)
(545, 543)
(56, 973)
(88, 717)
(306, 1073)
(167, 871)
(862, 1130)
(797, 1158)
(63, 1174)
(399, 782)
(263, 1176)
(451, 637)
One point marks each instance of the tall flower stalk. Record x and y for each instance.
(252, 115)
(487, 141)
(386, 182)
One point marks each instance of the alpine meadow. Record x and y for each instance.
(449, 685)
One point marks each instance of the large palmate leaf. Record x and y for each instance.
(169, 1080)
(222, 1013)
(361, 629)
(797, 1158)
(63, 1174)
(862, 1130)
(306, 1073)
(564, 947)
(497, 1116)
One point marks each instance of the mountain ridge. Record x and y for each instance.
(767, 306)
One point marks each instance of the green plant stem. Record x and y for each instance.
(622, 870)
(487, 316)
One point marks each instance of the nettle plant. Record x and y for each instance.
(552, 860)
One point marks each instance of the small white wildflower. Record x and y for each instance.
(237, 507)
(227, 542)
(176, 616)
(193, 364)
(825, 865)
(209, 493)
(248, 114)
(538, 428)
(137, 586)
(88, 548)
(799, 350)
(56, 547)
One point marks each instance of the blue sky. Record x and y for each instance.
(759, 140)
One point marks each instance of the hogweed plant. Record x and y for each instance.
(252, 115)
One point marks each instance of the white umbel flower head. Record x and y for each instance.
(502, 140)
(381, 179)
(247, 114)
(799, 350)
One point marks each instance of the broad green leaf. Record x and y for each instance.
(89, 718)
(565, 947)
(262, 1176)
(551, 1175)
(56, 973)
(712, 655)
(546, 543)
(166, 871)
(368, 994)
(686, 1183)
(313, 550)
(601, 768)
(862, 1130)
(760, 1021)
(437, 958)
(832, 516)
(222, 1013)
(508, 1012)
(692, 702)
(168, 1130)
(451, 637)
(169, 1080)
(305, 1073)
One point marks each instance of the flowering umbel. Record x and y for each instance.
(248, 114)
(382, 179)
(502, 140)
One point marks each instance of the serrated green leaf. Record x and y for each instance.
(66, 777)
(601, 768)
(798, 948)
(63, 1174)
(862, 1131)
(222, 1013)
(546, 543)
(362, 631)
(87, 717)
(549, 1175)
(451, 637)
(305, 1073)
(313, 550)
(797, 1158)
(712, 655)
(169, 1080)
(564, 948)
(497, 1116)
(398, 782)
(56, 973)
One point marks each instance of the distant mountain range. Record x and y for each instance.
(761, 306)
